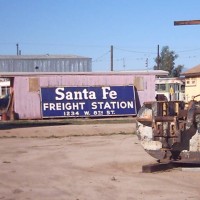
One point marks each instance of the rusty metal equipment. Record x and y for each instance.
(170, 130)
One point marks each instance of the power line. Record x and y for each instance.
(133, 51)
(189, 50)
(98, 58)
(89, 45)
(54, 44)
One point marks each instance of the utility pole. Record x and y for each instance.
(17, 49)
(158, 57)
(111, 58)
(147, 63)
(187, 22)
(124, 64)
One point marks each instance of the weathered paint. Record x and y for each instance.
(27, 103)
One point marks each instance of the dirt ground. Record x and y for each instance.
(107, 167)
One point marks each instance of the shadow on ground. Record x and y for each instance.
(14, 125)
(6, 125)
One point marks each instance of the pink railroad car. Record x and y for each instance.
(26, 87)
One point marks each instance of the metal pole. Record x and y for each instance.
(111, 58)
(158, 58)
(17, 49)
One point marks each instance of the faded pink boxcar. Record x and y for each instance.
(26, 86)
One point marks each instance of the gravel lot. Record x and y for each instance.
(34, 164)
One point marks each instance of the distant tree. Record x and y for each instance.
(177, 71)
(166, 62)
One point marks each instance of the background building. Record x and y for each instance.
(192, 83)
(172, 88)
(4, 87)
(45, 63)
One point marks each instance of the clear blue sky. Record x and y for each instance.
(89, 27)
